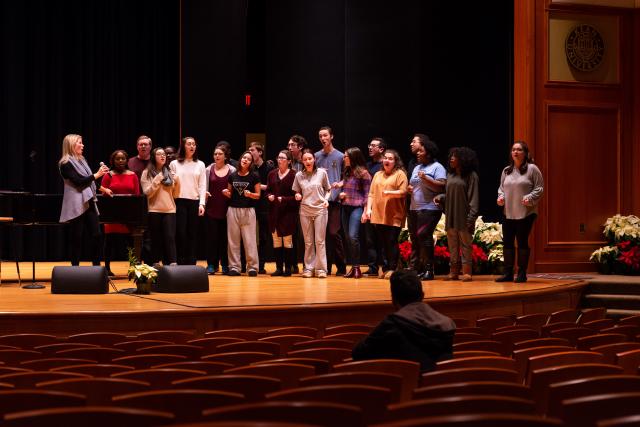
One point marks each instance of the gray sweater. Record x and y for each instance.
(515, 186)
(461, 201)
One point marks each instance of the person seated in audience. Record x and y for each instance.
(414, 332)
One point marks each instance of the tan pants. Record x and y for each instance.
(241, 225)
(314, 229)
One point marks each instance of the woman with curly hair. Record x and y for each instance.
(521, 187)
(120, 180)
(461, 200)
(355, 192)
(427, 180)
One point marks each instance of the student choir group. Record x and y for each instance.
(322, 196)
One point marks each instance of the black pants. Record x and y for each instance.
(374, 256)
(186, 230)
(86, 223)
(162, 229)
(217, 242)
(426, 223)
(388, 241)
(264, 237)
(113, 241)
(335, 242)
(412, 225)
(520, 229)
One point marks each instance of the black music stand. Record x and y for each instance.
(126, 209)
(7, 221)
(38, 209)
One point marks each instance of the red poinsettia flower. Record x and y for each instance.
(623, 246)
(477, 254)
(631, 257)
(405, 250)
(441, 252)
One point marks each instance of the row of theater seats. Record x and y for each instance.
(505, 371)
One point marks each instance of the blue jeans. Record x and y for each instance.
(351, 216)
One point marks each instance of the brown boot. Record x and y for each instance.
(454, 272)
(466, 273)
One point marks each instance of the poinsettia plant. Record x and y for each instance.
(622, 254)
(487, 253)
(142, 275)
(404, 247)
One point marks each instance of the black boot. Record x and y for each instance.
(523, 262)
(289, 261)
(278, 255)
(509, 255)
(427, 273)
(107, 265)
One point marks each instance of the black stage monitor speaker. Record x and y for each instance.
(182, 279)
(79, 280)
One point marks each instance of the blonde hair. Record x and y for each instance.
(68, 144)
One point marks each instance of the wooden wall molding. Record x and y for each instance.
(549, 211)
(573, 128)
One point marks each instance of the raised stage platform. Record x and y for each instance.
(263, 301)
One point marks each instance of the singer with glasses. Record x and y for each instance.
(79, 207)
(283, 213)
(161, 186)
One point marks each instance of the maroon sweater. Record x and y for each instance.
(283, 216)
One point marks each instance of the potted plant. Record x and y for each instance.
(622, 254)
(143, 275)
(604, 258)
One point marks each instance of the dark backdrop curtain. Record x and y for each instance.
(105, 69)
(392, 69)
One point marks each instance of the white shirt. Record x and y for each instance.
(193, 179)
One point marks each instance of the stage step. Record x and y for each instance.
(619, 294)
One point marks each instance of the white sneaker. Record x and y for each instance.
(322, 275)
(307, 274)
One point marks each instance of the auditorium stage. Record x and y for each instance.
(263, 301)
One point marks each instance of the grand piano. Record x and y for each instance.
(24, 209)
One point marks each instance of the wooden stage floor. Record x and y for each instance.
(261, 301)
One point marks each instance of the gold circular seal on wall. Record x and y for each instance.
(584, 47)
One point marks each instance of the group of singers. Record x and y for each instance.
(326, 196)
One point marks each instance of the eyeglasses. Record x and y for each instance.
(373, 145)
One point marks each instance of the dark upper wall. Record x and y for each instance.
(214, 68)
(391, 69)
(107, 70)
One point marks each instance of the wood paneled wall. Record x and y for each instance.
(585, 137)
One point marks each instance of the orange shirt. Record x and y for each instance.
(388, 210)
